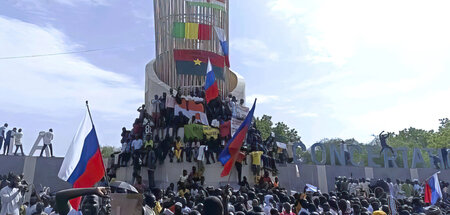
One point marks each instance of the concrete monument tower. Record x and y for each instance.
(187, 34)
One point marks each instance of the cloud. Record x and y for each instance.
(261, 99)
(255, 52)
(308, 114)
(142, 12)
(143, 16)
(337, 30)
(56, 85)
(91, 2)
(373, 66)
(422, 112)
(287, 10)
(41, 7)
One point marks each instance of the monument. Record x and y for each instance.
(187, 34)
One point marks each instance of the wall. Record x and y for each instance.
(44, 171)
(291, 176)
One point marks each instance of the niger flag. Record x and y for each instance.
(195, 62)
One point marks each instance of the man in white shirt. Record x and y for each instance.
(48, 137)
(417, 188)
(18, 141)
(201, 153)
(137, 144)
(233, 107)
(242, 111)
(11, 197)
(170, 106)
(156, 112)
(2, 134)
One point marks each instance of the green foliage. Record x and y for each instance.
(264, 125)
(282, 131)
(107, 151)
(284, 134)
(441, 138)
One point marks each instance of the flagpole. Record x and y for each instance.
(90, 116)
(89, 111)
(438, 172)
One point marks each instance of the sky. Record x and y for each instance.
(329, 69)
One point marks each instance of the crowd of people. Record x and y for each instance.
(268, 197)
(143, 146)
(13, 189)
(155, 138)
(14, 136)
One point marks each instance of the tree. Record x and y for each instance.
(264, 125)
(107, 151)
(441, 139)
(282, 131)
(285, 134)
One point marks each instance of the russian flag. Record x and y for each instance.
(432, 190)
(83, 163)
(224, 44)
(229, 154)
(211, 89)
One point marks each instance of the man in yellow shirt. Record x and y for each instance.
(182, 190)
(256, 162)
(179, 150)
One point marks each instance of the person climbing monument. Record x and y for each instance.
(383, 142)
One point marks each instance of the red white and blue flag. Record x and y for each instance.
(432, 190)
(83, 163)
(224, 44)
(230, 152)
(211, 89)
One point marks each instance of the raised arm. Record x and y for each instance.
(63, 197)
(7, 198)
(381, 133)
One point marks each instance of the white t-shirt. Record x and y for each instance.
(183, 178)
(215, 123)
(137, 144)
(18, 138)
(48, 137)
(155, 105)
(201, 152)
(170, 102)
(10, 198)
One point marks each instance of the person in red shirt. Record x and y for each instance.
(240, 158)
(265, 181)
(287, 209)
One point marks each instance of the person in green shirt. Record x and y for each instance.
(407, 188)
(148, 142)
